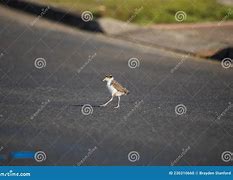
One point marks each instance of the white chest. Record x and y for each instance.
(111, 89)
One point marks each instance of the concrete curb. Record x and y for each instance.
(101, 25)
(192, 25)
(54, 14)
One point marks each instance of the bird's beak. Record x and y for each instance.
(104, 79)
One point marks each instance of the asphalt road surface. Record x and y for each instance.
(41, 104)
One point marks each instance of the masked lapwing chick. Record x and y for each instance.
(115, 88)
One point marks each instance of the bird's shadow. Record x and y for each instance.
(81, 105)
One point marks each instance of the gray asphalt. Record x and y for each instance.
(40, 109)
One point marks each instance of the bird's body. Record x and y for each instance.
(115, 88)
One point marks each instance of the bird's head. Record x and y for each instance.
(108, 78)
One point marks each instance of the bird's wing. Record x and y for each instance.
(119, 87)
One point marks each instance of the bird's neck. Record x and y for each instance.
(109, 82)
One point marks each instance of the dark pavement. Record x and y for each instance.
(40, 109)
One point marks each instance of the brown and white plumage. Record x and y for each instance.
(115, 88)
(119, 87)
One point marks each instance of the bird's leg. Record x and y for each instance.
(107, 102)
(118, 104)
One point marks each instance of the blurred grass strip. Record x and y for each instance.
(151, 11)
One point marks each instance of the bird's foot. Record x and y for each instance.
(117, 107)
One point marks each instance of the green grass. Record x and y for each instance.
(151, 11)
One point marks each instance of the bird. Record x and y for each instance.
(115, 88)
